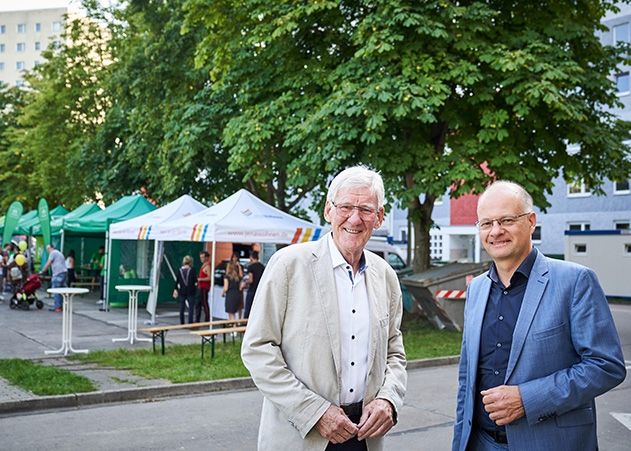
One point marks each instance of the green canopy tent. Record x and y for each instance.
(97, 224)
(27, 226)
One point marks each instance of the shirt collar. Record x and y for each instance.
(338, 259)
(524, 268)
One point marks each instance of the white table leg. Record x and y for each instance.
(132, 319)
(66, 329)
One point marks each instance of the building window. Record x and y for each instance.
(404, 235)
(38, 27)
(1, 67)
(577, 189)
(578, 226)
(3, 47)
(621, 33)
(627, 248)
(21, 28)
(580, 248)
(536, 235)
(19, 83)
(38, 45)
(20, 47)
(622, 83)
(56, 27)
(20, 65)
(621, 187)
(35, 63)
(621, 225)
(3, 29)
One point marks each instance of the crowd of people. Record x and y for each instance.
(192, 288)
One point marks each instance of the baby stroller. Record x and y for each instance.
(24, 296)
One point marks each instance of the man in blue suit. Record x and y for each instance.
(539, 341)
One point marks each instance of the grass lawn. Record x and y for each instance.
(183, 364)
(43, 380)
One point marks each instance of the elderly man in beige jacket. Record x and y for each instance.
(323, 343)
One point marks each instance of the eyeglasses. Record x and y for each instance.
(505, 221)
(346, 210)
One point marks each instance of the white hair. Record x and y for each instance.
(358, 176)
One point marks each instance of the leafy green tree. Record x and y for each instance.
(11, 103)
(438, 95)
(63, 106)
(159, 132)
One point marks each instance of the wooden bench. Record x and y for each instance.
(208, 336)
(160, 331)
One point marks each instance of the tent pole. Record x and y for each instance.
(108, 273)
(212, 282)
(154, 278)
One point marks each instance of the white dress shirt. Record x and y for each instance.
(354, 312)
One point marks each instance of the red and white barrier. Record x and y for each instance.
(451, 294)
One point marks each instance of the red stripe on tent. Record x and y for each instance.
(294, 240)
(193, 233)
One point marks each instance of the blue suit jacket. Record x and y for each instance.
(565, 352)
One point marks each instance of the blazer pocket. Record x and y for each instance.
(577, 417)
(551, 332)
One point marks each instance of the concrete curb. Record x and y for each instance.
(77, 400)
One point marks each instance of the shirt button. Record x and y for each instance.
(496, 372)
(351, 390)
(505, 292)
(501, 318)
(352, 337)
(499, 345)
(352, 363)
(353, 310)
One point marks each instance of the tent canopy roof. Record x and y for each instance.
(27, 226)
(242, 217)
(125, 208)
(56, 221)
(141, 227)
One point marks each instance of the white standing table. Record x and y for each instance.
(132, 318)
(67, 294)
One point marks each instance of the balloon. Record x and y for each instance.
(20, 260)
(22, 245)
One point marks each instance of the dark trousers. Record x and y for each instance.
(351, 444)
(183, 300)
(202, 304)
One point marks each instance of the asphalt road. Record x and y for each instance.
(229, 421)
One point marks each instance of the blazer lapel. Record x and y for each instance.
(322, 267)
(532, 298)
(375, 310)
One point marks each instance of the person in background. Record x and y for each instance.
(234, 259)
(70, 261)
(98, 268)
(203, 284)
(186, 279)
(232, 290)
(57, 263)
(255, 272)
(323, 343)
(539, 341)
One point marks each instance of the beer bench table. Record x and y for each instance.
(160, 331)
(208, 336)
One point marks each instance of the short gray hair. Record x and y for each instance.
(358, 176)
(514, 187)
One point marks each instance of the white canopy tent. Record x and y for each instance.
(142, 228)
(242, 217)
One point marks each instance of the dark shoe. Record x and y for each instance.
(58, 310)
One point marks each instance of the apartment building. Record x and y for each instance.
(23, 37)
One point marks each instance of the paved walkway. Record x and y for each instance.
(28, 334)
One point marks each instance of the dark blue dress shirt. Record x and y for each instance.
(500, 318)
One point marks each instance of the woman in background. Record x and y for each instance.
(232, 290)
(185, 288)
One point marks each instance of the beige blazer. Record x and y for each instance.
(292, 345)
